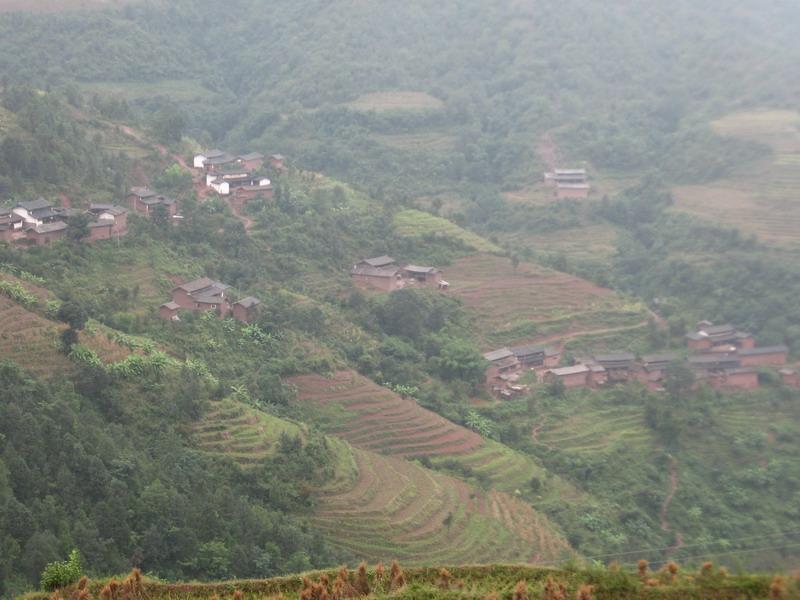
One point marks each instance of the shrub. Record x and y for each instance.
(61, 574)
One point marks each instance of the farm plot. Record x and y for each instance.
(30, 340)
(375, 418)
(388, 508)
(396, 101)
(763, 198)
(591, 243)
(384, 508)
(513, 305)
(414, 223)
(244, 434)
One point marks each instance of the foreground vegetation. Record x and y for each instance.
(491, 582)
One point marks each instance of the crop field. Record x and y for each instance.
(395, 101)
(178, 90)
(30, 340)
(389, 508)
(596, 242)
(590, 427)
(430, 141)
(382, 508)
(416, 223)
(513, 305)
(247, 435)
(374, 418)
(764, 198)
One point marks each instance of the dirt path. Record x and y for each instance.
(568, 335)
(246, 221)
(548, 151)
(662, 515)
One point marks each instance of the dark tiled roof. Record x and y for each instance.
(764, 350)
(249, 302)
(659, 358)
(251, 156)
(202, 284)
(142, 192)
(368, 271)
(50, 227)
(171, 305)
(379, 261)
(421, 270)
(617, 357)
(528, 350)
(496, 355)
(33, 205)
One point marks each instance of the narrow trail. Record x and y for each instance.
(246, 221)
(568, 335)
(535, 434)
(662, 515)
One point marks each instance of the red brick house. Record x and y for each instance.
(144, 201)
(501, 362)
(169, 311)
(110, 221)
(790, 377)
(766, 355)
(277, 162)
(572, 377)
(423, 275)
(252, 161)
(42, 235)
(743, 378)
(246, 309)
(202, 295)
(572, 190)
(242, 194)
(379, 273)
(618, 366)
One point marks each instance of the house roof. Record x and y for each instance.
(714, 361)
(207, 298)
(249, 302)
(222, 159)
(496, 355)
(101, 223)
(573, 370)
(650, 359)
(165, 200)
(192, 287)
(421, 270)
(697, 335)
(277, 156)
(114, 209)
(368, 271)
(49, 227)
(764, 350)
(142, 192)
(569, 171)
(505, 362)
(32, 205)
(379, 261)
(528, 350)
(615, 357)
(171, 305)
(251, 156)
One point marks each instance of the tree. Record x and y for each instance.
(460, 360)
(169, 125)
(78, 227)
(678, 380)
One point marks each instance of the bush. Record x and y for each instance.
(61, 574)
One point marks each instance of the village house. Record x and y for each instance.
(572, 377)
(654, 369)
(790, 377)
(228, 182)
(533, 356)
(501, 362)
(724, 338)
(46, 233)
(10, 225)
(216, 160)
(766, 355)
(423, 275)
(568, 183)
(109, 220)
(36, 212)
(145, 201)
(380, 273)
(618, 366)
(246, 309)
(202, 294)
(714, 362)
(277, 162)
(169, 311)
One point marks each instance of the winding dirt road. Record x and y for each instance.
(662, 515)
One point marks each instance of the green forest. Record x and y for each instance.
(208, 449)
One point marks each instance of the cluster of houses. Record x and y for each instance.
(39, 222)
(385, 274)
(237, 176)
(568, 183)
(146, 202)
(208, 295)
(721, 357)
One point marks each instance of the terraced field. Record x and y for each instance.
(515, 305)
(384, 508)
(593, 429)
(248, 436)
(391, 508)
(374, 418)
(763, 198)
(590, 243)
(30, 340)
(395, 101)
(416, 223)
